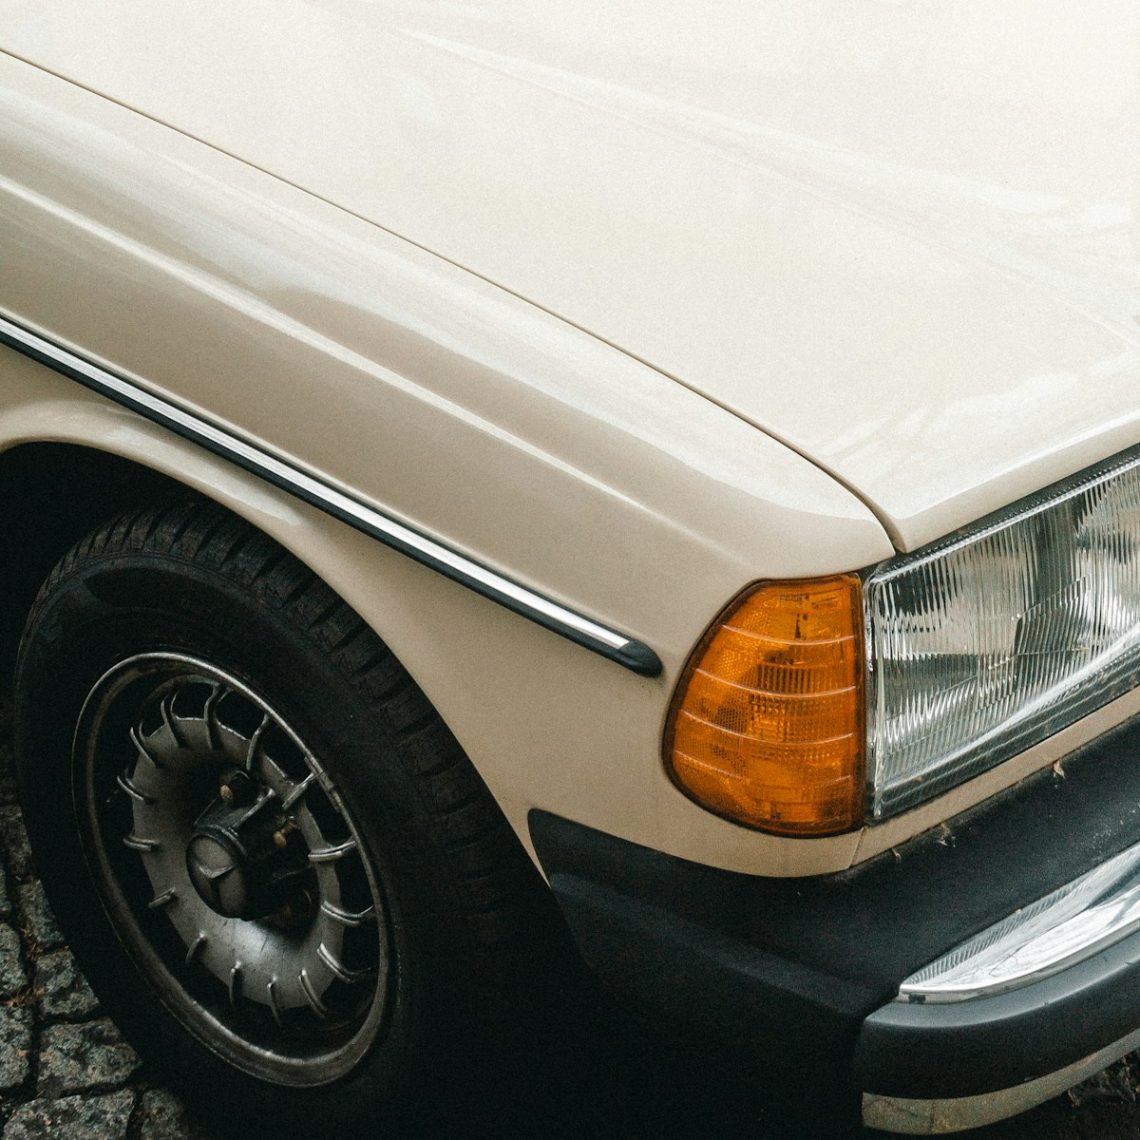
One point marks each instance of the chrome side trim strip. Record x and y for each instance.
(957, 1114)
(609, 643)
(1065, 927)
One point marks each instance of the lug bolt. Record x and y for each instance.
(281, 837)
(235, 787)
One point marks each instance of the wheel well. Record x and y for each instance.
(51, 494)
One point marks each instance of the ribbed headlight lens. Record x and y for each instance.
(991, 641)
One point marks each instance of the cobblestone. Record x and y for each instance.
(5, 897)
(85, 1056)
(38, 918)
(92, 1055)
(162, 1116)
(73, 1117)
(15, 840)
(15, 1046)
(65, 1071)
(65, 992)
(13, 979)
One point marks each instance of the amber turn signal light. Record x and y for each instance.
(766, 727)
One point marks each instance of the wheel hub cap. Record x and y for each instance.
(235, 870)
(216, 871)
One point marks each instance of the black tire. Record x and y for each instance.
(181, 678)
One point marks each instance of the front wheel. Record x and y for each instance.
(231, 870)
(280, 872)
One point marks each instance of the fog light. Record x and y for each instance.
(766, 727)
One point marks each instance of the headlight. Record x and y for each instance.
(809, 700)
(992, 640)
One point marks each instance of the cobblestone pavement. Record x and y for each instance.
(65, 1072)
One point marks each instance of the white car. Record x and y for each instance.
(679, 463)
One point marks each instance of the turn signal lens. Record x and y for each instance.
(766, 727)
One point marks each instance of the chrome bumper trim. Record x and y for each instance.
(422, 548)
(1065, 927)
(957, 1114)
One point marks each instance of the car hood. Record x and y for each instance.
(899, 236)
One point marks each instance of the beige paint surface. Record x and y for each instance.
(900, 236)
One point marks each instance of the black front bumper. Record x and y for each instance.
(793, 974)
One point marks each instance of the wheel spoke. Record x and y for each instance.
(274, 999)
(332, 853)
(143, 749)
(295, 795)
(208, 715)
(255, 741)
(164, 708)
(338, 969)
(133, 790)
(162, 900)
(140, 843)
(311, 995)
(196, 947)
(347, 917)
(234, 988)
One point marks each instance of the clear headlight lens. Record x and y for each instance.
(988, 642)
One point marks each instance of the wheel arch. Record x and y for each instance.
(57, 488)
(53, 494)
(54, 491)
(542, 719)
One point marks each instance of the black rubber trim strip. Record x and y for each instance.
(634, 655)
